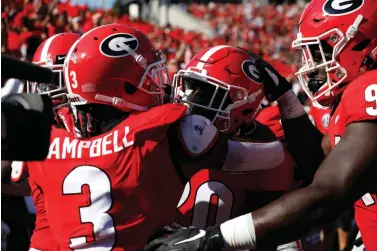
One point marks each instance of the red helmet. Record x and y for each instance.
(51, 53)
(115, 65)
(343, 35)
(233, 87)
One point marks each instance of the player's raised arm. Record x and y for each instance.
(302, 137)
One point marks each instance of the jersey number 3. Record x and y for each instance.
(371, 96)
(96, 213)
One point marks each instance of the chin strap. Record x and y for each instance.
(353, 29)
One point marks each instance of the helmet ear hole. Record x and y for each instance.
(129, 88)
(362, 45)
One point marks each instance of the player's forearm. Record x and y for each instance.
(282, 221)
(304, 143)
(303, 138)
(289, 217)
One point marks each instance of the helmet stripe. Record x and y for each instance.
(46, 46)
(208, 54)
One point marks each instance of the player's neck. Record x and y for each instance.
(107, 125)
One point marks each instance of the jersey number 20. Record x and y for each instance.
(207, 194)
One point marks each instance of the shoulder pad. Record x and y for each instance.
(198, 134)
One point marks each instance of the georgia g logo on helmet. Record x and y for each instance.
(250, 70)
(111, 46)
(341, 7)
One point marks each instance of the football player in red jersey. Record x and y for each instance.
(211, 196)
(352, 52)
(100, 193)
(345, 36)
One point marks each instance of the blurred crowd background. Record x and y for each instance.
(265, 29)
(180, 29)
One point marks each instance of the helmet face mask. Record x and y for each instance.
(311, 47)
(55, 89)
(203, 95)
(156, 78)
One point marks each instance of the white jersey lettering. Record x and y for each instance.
(69, 148)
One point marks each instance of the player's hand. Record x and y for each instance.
(275, 85)
(81, 125)
(85, 121)
(188, 239)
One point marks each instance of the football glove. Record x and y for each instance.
(275, 85)
(80, 125)
(188, 239)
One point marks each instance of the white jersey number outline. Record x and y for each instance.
(371, 96)
(201, 208)
(96, 213)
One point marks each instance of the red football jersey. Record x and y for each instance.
(359, 103)
(212, 197)
(320, 117)
(110, 191)
(270, 116)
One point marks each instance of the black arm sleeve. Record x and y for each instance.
(304, 143)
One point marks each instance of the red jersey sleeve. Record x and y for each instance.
(360, 98)
(270, 116)
(42, 238)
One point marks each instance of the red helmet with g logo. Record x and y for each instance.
(222, 84)
(339, 38)
(115, 65)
